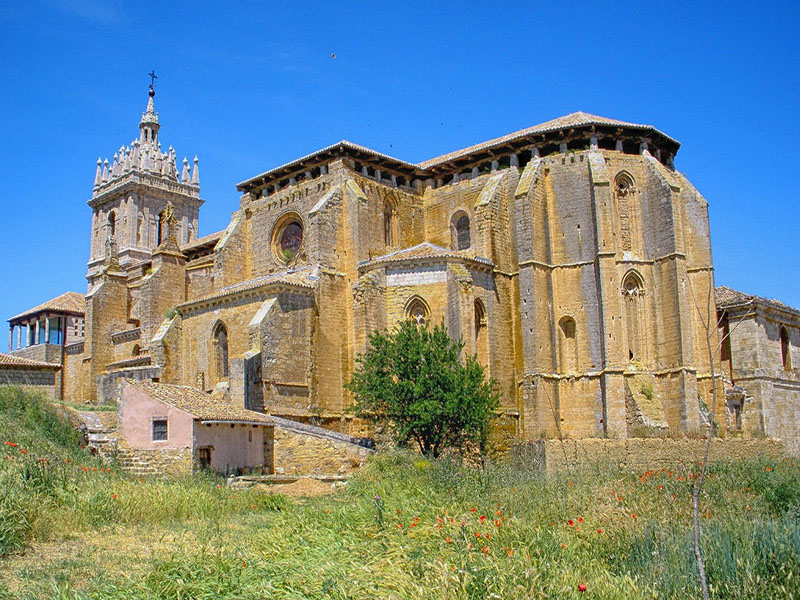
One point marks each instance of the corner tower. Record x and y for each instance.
(131, 192)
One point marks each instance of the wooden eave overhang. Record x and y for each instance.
(325, 155)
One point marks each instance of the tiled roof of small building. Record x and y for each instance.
(576, 119)
(69, 302)
(200, 405)
(727, 297)
(206, 239)
(11, 361)
(425, 250)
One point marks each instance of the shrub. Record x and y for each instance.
(413, 380)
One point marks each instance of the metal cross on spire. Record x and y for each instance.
(153, 77)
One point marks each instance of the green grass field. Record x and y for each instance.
(405, 527)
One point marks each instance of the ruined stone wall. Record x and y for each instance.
(639, 455)
(45, 381)
(306, 450)
(173, 462)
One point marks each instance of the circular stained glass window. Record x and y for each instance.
(291, 238)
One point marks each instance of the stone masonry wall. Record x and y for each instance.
(306, 450)
(41, 380)
(639, 454)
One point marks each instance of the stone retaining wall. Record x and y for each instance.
(641, 454)
(300, 449)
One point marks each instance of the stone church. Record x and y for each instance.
(566, 255)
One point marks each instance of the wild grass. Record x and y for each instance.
(405, 527)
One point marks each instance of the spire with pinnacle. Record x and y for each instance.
(149, 124)
(144, 155)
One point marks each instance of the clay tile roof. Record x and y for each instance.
(70, 302)
(342, 146)
(9, 360)
(425, 250)
(200, 405)
(727, 297)
(206, 239)
(301, 277)
(576, 119)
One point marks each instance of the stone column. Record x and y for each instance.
(10, 338)
(36, 333)
(46, 328)
(19, 337)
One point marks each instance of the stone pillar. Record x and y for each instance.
(36, 333)
(10, 338)
(46, 328)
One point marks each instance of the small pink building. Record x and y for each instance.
(174, 429)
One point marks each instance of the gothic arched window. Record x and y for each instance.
(786, 356)
(389, 225)
(633, 294)
(624, 190)
(417, 310)
(460, 231)
(220, 338)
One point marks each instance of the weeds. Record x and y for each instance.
(404, 527)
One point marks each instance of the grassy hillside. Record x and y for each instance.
(405, 527)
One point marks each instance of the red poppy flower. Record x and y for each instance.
(482, 519)
(581, 587)
(599, 531)
(485, 550)
(768, 469)
(580, 519)
(448, 540)
(114, 496)
(487, 536)
(499, 513)
(497, 523)
(633, 516)
(472, 509)
(398, 525)
(571, 523)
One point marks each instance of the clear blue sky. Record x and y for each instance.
(252, 85)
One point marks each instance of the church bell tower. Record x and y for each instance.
(131, 192)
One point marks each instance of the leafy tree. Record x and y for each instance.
(413, 380)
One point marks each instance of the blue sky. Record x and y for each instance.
(248, 86)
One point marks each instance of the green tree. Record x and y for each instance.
(413, 380)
